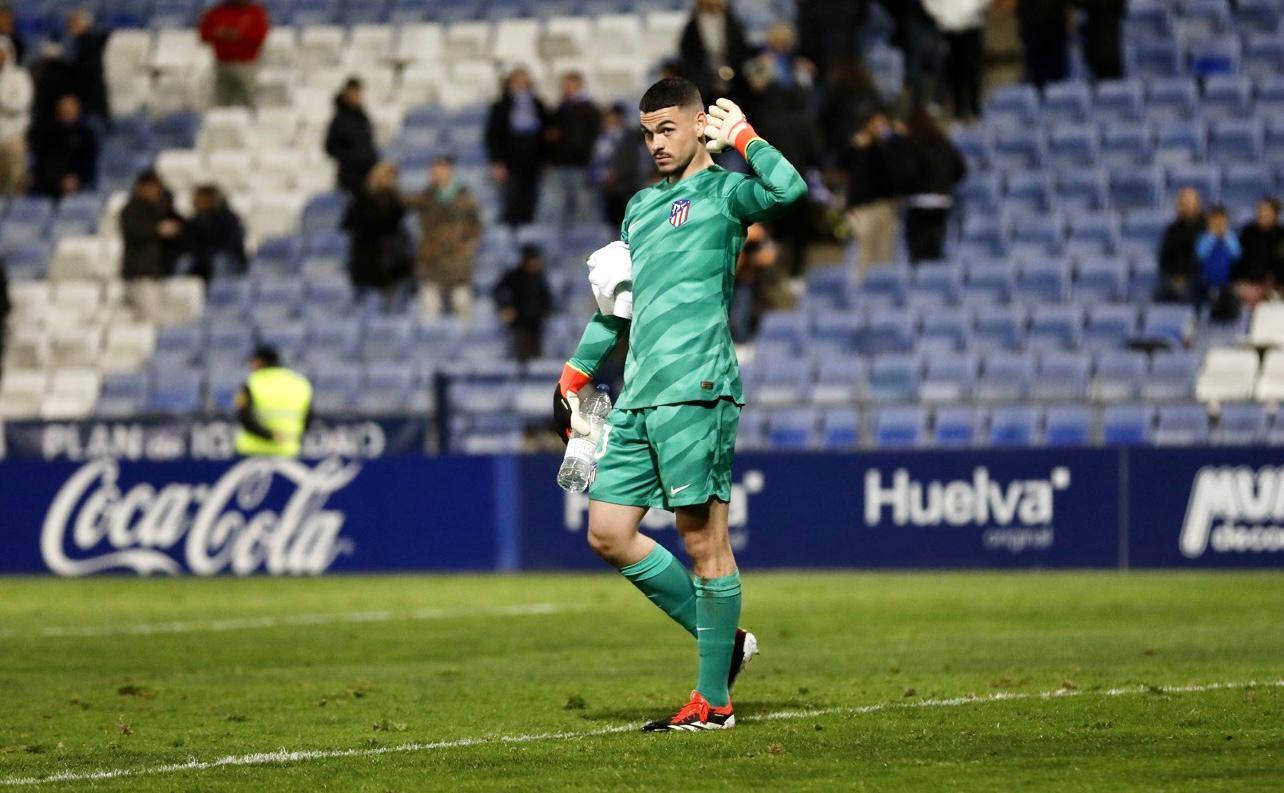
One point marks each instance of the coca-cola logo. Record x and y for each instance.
(93, 526)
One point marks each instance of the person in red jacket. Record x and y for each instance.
(236, 30)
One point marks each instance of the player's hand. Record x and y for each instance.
(566, 403)
(727, 127)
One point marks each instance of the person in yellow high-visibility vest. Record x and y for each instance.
(274, 408)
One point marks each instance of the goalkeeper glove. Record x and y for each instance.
(566, 404)
(727, 127)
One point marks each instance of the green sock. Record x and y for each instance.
(718, 615)
(664, 580)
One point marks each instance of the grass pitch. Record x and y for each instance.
(538, 682)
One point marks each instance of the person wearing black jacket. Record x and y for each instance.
(84, 48)
(1179, 269)
(65, 153)
(1102, 35)
(615, 169)
(850, 98)
(937, 167)
(525, 302)
(515, 146)
(1262, 260)
(1045, 35)
(712, 47)
(379, 252)
(152, 232)
(213, 231)
(572, 129)
(878, 161)
(350, 138)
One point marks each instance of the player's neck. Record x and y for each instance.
(701, 162)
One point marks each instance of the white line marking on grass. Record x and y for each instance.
(282, 756)
(290, 620)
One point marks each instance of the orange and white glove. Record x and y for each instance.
(567, 420)
(727, 127)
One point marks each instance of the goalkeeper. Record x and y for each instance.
(669, 442)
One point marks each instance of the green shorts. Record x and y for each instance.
(667, 456)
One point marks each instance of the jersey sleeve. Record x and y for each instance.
(596, 343)
(777, 184)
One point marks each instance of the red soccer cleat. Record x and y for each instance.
(695, 716)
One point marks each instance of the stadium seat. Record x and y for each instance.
(1062, 377)
(1270, 381)
(1017, 147)
(1016, 103)
(1118, 101)
(1172, 376)
(946, 329)
(1005, 377)
(782, 381)
(123, 395)
(886, 283)
(1226, 95)
(335, 387)
(1101, 280)
(990, 282)
(888, 330)
(894, 377)
(793, 429)
(840, 429)
(839, 381)
(1168, 323)
(1028, 193)
(1109, 326)
(940, 284)
(1135, 188)
(1055, 327)
(1228, 375)
(956, 427)
(1081, 188)
(999, 328)
(837, 333)
(1181, 425)
(1235, 140)
(900, 427)
(1181, 141)
(1267, 328)
(1127, 425)
(1065, 103)
(1153, 58)
(948, 377)
(176, 391)
(1068, 425)
(1240, 424)
(1013, 426)
(1214, 55)
(784, 329)
(1044, 281)
(1263, 54)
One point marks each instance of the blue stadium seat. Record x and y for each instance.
(1243, 185)
(335, 387)
(1013, 426)
(1065, 103)
(385, 388)
(1062, 377)
(1172, 376)
(793, 429)
(980, 191)
(991, 282)
(893, 377)
(948, 377)
(889, 330)
(1127, 425)
(27, 260)
(751, 434)
(1135, 189)
(1241, 424)
(123, 395)
(1254, 16)
(329, 295)
(230, 296)
(1214, 55)
(286, 293)
(956, 426)
(1074, 145)
(1150, 18)
(1055, 327)
(1101, 280)
(840, 428)
(984, 232)
(1093, 233)
(1169, 323)
(288, 337)
(1109, 326)
(975, 145)
(1126, 145)
(1171, 99)
(1235, 140)
(1226, 95)
(782, 381)
(838, 332)
(784, 329)
(229, 343)
(333, 338)
(1263, 55)
(839, 380)
(1153, 58)
(1068, 425)
(946, 329)
(1118, 100)
(1119, 375)
(1143, 229)
(1273, 139)
(178, 346)
(999, 328)
(176, 391)
(888, 283)
(1005, 377)
(323, 213)
(1016, 148)
(1181, 141)
(1028, 191)
(942, 284)
(1017, 103)
(1081, 189)
(1181, 425)
(1044, 281)
(900, 427)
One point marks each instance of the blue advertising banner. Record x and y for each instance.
(182, 438)
(1206, 508)
(879, 510)
(283, 517)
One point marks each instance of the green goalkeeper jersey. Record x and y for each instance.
(684, 238)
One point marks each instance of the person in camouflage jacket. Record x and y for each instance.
(451, 224)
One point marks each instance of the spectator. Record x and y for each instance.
(9, 29)
(616, 167)
(1102, 37)
(525, 302)
(514, 143)
(236, 29)
(937, 168)
(84, 48)
(878, 161)
(273, 407)
(851, 98)
(761, 285)
(66, 154)
(712, 47)
(350, 138)
(151, 231)
(15, 118)
(788, 69)
(915, 36)
(1178, 269)
(214, 232)
(572, 129)
(1219, 254)
(962, 22)
(829, 30)
(1261, 269)
(379, 251)
(53, 77)
(451, 232)
(1044, 30)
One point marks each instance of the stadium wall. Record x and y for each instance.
(1085, 508)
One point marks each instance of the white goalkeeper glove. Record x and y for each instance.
(579, 424)
(727, 127)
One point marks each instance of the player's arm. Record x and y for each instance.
(596, 343)
(776, 183)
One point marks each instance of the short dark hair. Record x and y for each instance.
(266, 355)
(1217, 209)
(444, 158)
(671, 92)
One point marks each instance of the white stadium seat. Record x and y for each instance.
(277, 169)
(623, 32)
(26, 346)
(1228, 375)
(663, 28)
(420, 42)
(1267, 329)
(281, 50)
(75, 344)
(177, 50)
(21, 392)
(180, 168)
(225, 128)
(129, 344)
(274, 127)
(78, 257)
(77, 299)
(465, 40)
(517, 40)
(420, 84)
(183, 300)
(127, 52)
(232, 170)
(617, 79)
(274, 214)
(566, 37)
(67, 407)
(371, 44)
(1270, 383)
(320, 47)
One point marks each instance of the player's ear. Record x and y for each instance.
(701, 121)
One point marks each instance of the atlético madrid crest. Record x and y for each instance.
(680, 211)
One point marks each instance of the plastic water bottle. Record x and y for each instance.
(577, 464)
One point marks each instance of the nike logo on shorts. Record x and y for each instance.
(673, 491)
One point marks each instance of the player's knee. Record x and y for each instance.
(604, 543)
